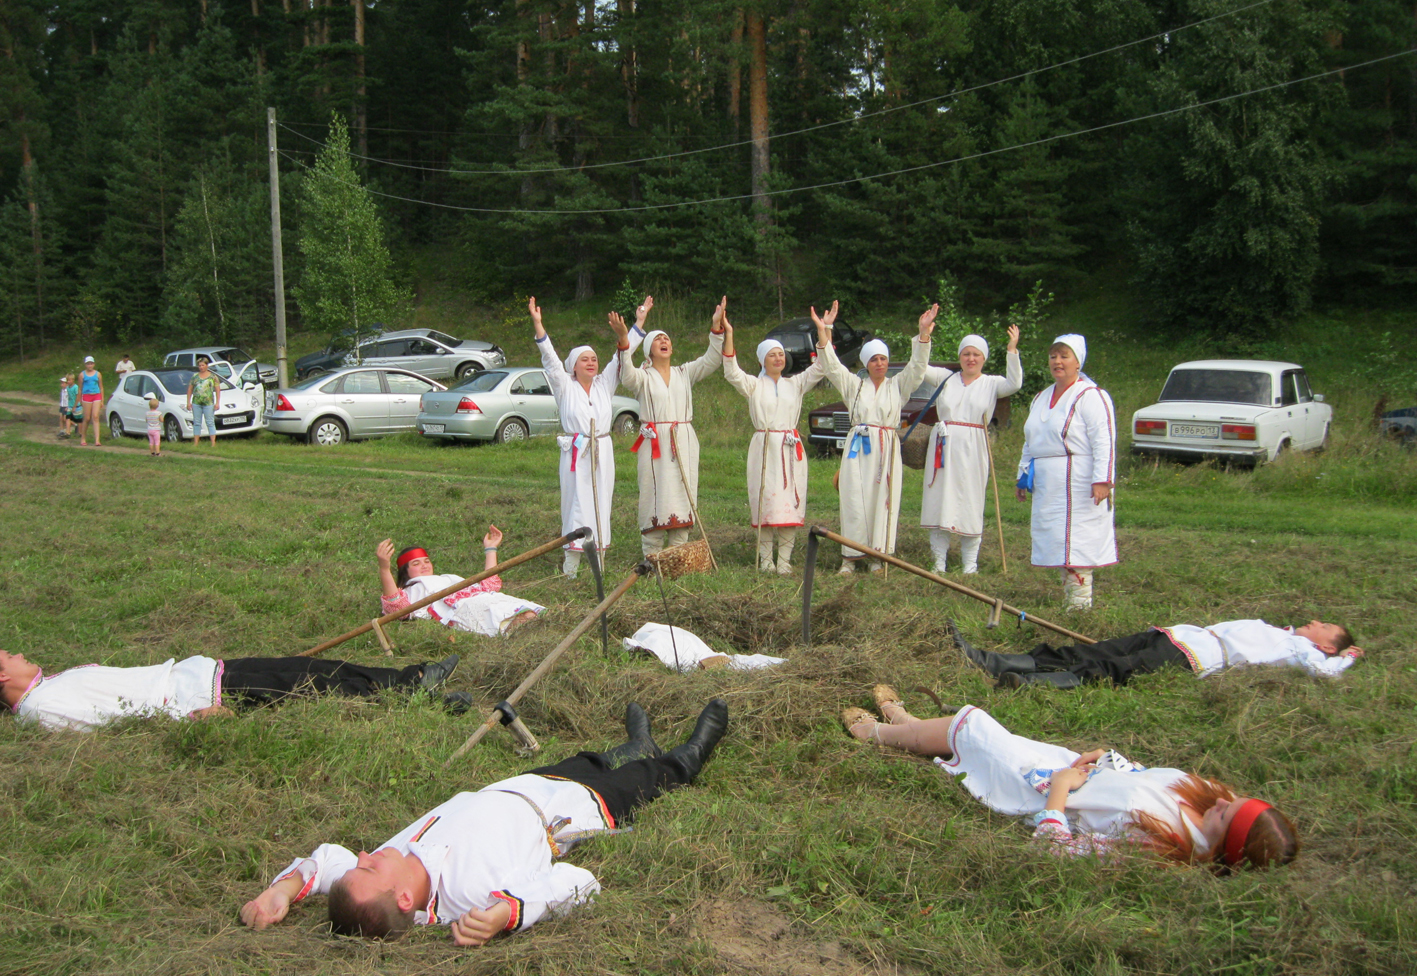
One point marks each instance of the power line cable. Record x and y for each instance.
(896, 172)
(795, 132)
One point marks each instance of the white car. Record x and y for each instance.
(1241, 410)
(237, 410)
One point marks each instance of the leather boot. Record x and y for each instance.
(990, 662)
(1058, 679)
(712, 723)
(640, 743)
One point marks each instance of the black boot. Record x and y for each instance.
(712, 723)
(640, 743)
(1058, 679)
(989, 661)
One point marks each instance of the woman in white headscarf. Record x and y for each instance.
(777, 464)
(583, 397)
(870, 464)
(668, 448)
(1069, 464)
(957, 455)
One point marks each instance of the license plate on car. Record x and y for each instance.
(230, 421)
(432, 428)
(1195, 430)
(840, 443)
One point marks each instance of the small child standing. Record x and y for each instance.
(154, 416)
(64, 383)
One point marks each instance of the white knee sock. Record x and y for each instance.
(940, 546)
(572, 563)
(1077, 588)
(765, 562)
(786, 540)
(652, 541)
(969, 552)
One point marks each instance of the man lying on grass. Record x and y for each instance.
(91, 695)
(1322, 649)
(483, 862)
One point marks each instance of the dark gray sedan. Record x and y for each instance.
(506, 405)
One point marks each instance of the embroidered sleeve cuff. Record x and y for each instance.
(514, 920)
(1055, 817)
(299, 871)
(391, 604)
(545, 338)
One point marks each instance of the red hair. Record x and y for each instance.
(1272, 838)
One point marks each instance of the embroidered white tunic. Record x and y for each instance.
(1071, 445)
(957, 454)
(92, 695)
(777, 463)
(668, 448)
(481, 849)
(587, 465)
(870, 463)
(1237, 643)
(481, 608)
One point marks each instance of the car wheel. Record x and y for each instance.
(328, 432)
(1280, 453)
(172, 430)
(115, 426)
(468, 369)
(513, 429)
(626, 423)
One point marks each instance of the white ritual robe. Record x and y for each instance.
(1241, 643)
(587, 465)
(667, 447)
(481, 608)
(1072, 446)
(957, 473)
(777, 463)
(870, 482)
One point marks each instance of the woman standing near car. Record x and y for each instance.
(201, 401)
(584, 400)
(957, 455)
(870, 463)
(669, 462)
(1069, 465)
(777, 465)
(91, 396)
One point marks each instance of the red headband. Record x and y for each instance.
(1239, 831)
(411, 555)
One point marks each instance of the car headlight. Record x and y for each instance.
(821, 422)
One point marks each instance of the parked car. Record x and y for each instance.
(187, 359)
(799, 341)
(829, 425)
(1238, 410)
(348, 405)
(127, 410)
(1400, 425)
(247, 376)
(429, 353)
(331, 358)
(507, 405)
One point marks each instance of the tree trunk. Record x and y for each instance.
(630, 70)
(361, 108)
(758, 116)
(36, 233)
(735, 73)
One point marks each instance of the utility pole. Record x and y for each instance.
(277, 260)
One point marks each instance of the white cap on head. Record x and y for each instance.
(575, 354)
(873, 349)
(87, 360)
(765, 347)
(649, 338)
(1076, 343)
(975, 341)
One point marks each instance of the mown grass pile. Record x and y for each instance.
(131, 850)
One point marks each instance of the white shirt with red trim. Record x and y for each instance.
(487, 847)
(1237, 643)
(92, 695)
(481, 608)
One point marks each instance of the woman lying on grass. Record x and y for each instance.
(481, 608)
(1112, 802)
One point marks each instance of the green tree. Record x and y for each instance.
(348, 280)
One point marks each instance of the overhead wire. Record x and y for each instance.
(896, 172)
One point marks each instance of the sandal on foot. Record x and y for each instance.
(886, 695)
(854, 718)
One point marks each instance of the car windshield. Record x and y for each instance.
(1217, 386)
(177, 380)
(481, 382)
(233, 355)
(444, 338)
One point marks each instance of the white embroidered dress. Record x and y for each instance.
(870, 463)
(957, 455)
(777, 462)
(481, 608)
(668, 448)
(1071, 446)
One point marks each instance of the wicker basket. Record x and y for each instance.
(691, 557)
(912, 448)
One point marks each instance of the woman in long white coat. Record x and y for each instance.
(957, 455)
(668, 448)
(583, 398)
(870, 464)
(1069, 464)
(777, 464)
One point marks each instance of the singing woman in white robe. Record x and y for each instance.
(777, 463)
(870, 464)
(1069, 464)
(957, 455)
(584, 399)
(481, 608)
(668, 448)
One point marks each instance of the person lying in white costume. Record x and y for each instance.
(481, 608)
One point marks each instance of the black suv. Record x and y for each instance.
(799, 341)
(331, 358)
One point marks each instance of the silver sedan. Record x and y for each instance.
(506, 405)
(349, 404)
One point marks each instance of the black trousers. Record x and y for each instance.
(623, 788)
(263, 680)
(1116, 659)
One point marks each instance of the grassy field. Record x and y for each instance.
(800, 852)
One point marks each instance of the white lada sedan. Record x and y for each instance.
(1238, 410)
